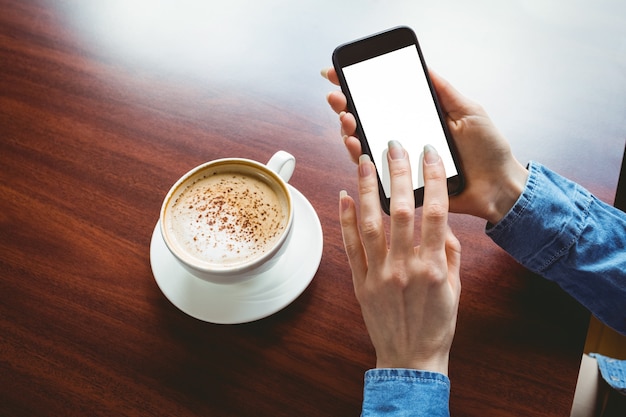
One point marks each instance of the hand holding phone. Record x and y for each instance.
(389, 92)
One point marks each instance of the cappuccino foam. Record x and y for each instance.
(227, 218)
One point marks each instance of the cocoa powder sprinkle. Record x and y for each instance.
(232, 215)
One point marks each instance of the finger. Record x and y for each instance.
(348, 123)
(353, 145)
(331, 75)
(372, 229)
(337, 101)
(445, 92)
(453, 255)
(435, 210)
(454, 104)
(352, 239)
(402, 208)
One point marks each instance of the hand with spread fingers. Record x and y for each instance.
(409, 295)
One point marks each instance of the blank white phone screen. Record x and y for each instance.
(393, 102)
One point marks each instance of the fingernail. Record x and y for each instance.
(324, 73)
(341, 114)
(343, 201)
(365, 166)
(430, 155)
(396, 151)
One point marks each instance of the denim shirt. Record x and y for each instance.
(556, 229)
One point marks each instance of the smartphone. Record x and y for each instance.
(389, 92)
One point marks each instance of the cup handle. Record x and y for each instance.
(283, 163)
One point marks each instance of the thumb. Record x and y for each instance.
(453, 103)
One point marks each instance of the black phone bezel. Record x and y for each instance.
(379, 44)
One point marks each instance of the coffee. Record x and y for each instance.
(227, 217)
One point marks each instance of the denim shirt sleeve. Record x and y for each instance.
(405, 392)
(561, 231)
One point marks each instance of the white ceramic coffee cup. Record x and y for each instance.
(211, 225)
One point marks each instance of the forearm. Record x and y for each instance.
(560, 231)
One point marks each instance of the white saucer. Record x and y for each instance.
(260, 297)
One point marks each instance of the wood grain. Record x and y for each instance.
(90, 141)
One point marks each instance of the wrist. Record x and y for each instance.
(508, 192)
(438, 364)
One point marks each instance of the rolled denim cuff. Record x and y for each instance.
(405, 392)
(613, 371)
(545, 222)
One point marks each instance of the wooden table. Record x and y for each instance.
(103, 105)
